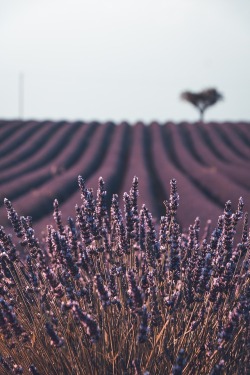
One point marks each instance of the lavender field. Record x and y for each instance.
(40, 161)
(144, 275)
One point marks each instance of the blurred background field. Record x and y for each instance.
(40, 161)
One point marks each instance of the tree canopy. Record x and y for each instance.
(203, 99)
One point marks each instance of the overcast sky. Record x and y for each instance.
(124, 59)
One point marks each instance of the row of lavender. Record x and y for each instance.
(39, 161)
(108, 294)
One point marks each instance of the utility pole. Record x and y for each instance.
(21, 96)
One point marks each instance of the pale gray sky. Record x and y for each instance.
(124, 59)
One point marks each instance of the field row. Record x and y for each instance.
(40, 161)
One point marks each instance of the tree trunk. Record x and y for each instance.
(201, 115)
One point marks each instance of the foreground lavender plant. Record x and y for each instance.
(107, 294)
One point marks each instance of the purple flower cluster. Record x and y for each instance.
(110, 292)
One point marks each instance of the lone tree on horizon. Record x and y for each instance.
(202, 100)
